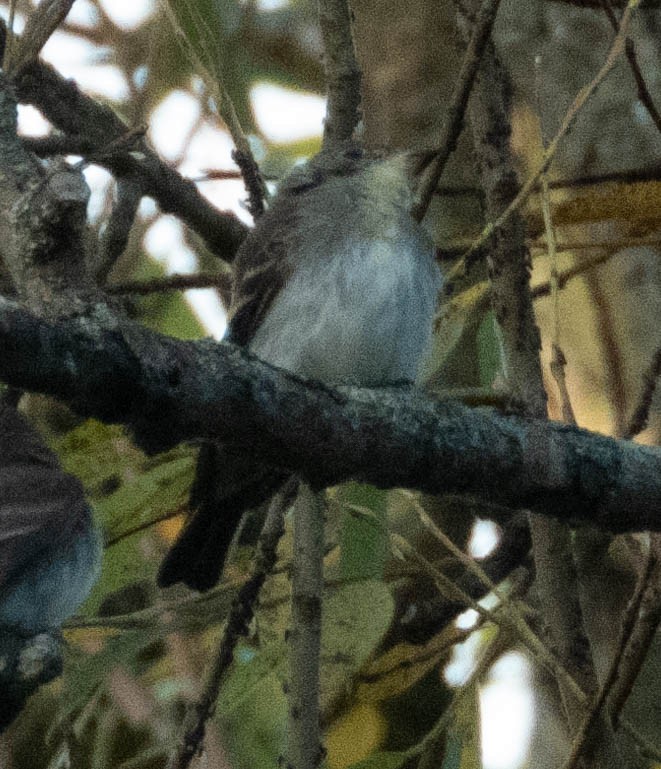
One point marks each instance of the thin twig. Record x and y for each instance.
(493, 650)
(241, 614)
(304, 748)
(419, 617)
(115, 237)
(640, 416)
(67, 144)
(629, 49)
(518, 621)
(646, 748)
(176, 282)
(568, 121)
(457, 109)
(558, 361)
(628, 622)
(650, 173)
(10, 38)
(597, 4)
(544, 289)
(204, 63)
(612, 246)
(643, 633)
(511, 622)
(342, 72)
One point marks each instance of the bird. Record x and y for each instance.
(50, 557)
(335, 283)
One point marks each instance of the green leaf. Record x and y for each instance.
(252, 707)
(252, 702)
(489, 356)
(364, 537)
(128, 492)
(355, 619)
(465, 731)
(454, 358)
(383, 760)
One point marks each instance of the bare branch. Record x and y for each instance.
(638, 421)
(418, 618)
(599, 4)
(457, 109)
(640, 633)
(342, 72)
(572, 113)
(118, 228)
(41, 24)
(304, 748)
(630, 52)
(177, 282)
(628, 624)
(509, 274)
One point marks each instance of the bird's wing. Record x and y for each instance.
(261, 269)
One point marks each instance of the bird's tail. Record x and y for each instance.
(226, 486)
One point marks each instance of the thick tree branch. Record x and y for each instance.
(167, 391)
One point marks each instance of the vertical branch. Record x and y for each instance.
(305, 750)
(616, 686)
(640, 416)
(342, 72)
(582, 98)
(629, 49)
(509, 273)
(509, 259)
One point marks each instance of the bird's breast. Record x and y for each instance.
(358, 313)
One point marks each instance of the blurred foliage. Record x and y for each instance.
(137, 656)
(364, 539)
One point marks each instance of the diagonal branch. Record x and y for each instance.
(41, 24)
(630, 51)
(457, 110)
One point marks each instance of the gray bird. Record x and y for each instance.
(336, 283)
